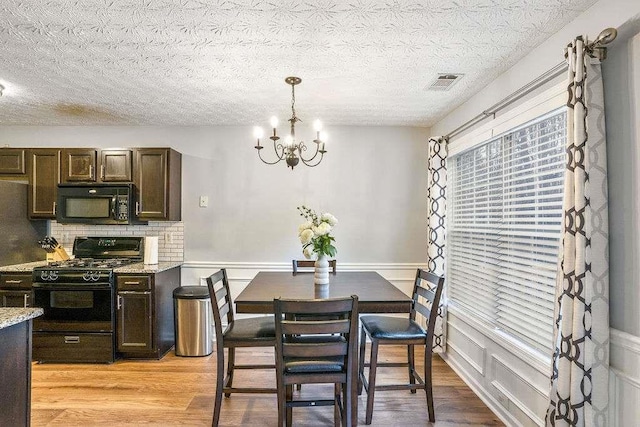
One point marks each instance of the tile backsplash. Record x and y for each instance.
(170, 235)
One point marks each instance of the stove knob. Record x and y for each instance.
(44, 275)
(53, 275)
(86, 276)
(95, 276)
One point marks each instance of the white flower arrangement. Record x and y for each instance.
(315, 232)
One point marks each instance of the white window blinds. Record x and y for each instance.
(504, 227)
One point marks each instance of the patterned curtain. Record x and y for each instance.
(436, 200)
(579, 381)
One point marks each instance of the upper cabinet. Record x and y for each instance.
(13, 162)
(115, 166)
(92, 165)
(158, 181)
(44, 177)
(79, 164)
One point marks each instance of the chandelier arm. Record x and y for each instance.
(303, 147)
(308, 162)
(279, 156)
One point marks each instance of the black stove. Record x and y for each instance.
(78, 296)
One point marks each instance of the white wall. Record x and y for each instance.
(512, 380)
(373, 179)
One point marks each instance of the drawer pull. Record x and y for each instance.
(131, 283)
(14, 282)
(68, 339)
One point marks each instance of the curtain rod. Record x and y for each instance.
(595, 49)
(518, 94)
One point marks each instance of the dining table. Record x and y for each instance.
(375, 295)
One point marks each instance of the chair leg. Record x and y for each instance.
(336, 405)
(289, 409)
(427, 384)
(363, 345)
(282, 400)
(373, 364)
(231, 363)
(219, 386)
(412, 365)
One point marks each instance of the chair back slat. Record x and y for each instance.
(422, 309)
(340, 326)
(329, 307)
(426, 293)
(320, 349)
(224, 310)
(221, 293)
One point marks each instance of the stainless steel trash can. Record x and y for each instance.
(193, 319)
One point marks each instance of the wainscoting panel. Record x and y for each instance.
(511, 382)
(624, 379)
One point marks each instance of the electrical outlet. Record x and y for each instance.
(168, 237)
(204, 201)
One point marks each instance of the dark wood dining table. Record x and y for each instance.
(375, 295)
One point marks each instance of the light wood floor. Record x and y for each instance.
(178, 391)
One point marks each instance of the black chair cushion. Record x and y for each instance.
(389, 328)
(254, 328)
(296, 365)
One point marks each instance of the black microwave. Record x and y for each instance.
(96, 204)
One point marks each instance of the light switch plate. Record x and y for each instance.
(204, 201)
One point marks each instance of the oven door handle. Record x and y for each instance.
(62, 287)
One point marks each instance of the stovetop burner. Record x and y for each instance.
(91, 263)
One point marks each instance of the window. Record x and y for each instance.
(504, 227)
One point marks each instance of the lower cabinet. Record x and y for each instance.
(134, 321)
(16, 290)
(144, 313)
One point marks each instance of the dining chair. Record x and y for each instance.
(312, 350)
(250, 332)
(387, 330)
(305, 263)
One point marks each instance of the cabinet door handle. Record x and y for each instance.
(71, 339)
(26, 300)
(137, 208)
(119, 302)
(54, 208)
(102, 172)
(90, 171)
(14, 282)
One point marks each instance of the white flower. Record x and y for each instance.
(304, 226)
(308, 252)
(332, 220)
(306, 236)
(322, 229)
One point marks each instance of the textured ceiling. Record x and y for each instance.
(219, 62)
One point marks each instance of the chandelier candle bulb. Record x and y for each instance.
(274, 123)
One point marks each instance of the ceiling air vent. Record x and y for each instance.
(444, 82)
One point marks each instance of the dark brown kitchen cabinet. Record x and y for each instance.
(44, 177)
(158, 181)
(13, 162)
(93, 165)
(115, 166)
(16, 290)
(15, 374)
(79, 164)
(135, 322)
(144, 313)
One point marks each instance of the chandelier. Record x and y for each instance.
(291, 150)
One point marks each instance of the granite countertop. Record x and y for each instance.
(147, 269)
(26, 267)
(10, 316)
(138, 267)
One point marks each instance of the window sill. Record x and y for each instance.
(524, 352)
